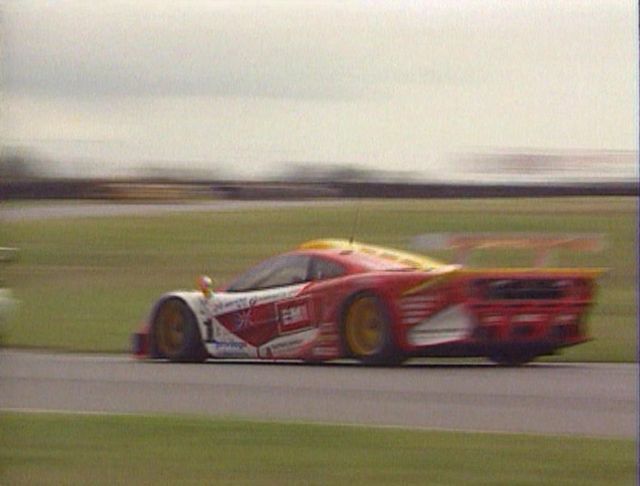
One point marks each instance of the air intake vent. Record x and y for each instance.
(520, 289)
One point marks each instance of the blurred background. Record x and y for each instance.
(476, 92)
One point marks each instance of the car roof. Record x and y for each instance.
(369, 257)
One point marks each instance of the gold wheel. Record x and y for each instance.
(170, 327)
(365, 327)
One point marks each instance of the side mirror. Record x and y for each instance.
(205, 285)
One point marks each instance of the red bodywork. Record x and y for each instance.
(530, 311)
(542, 324)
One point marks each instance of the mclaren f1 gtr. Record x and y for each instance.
(333, 299)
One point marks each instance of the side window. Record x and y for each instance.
(294, 270)
(322, 269)
(276, 272)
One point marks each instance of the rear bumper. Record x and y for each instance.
(484, 312)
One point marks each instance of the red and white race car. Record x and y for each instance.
(338, 299)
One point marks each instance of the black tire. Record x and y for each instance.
(175, 334)
(366, 331)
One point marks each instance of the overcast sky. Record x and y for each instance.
(381, 84)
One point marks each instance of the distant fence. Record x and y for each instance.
(146, 190)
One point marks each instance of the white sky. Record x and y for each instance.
(380, 84)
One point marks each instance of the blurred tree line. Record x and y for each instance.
(20, 164)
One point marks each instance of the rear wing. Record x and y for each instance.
(543, 244)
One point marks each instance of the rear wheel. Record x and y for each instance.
(367, 332)
(175, 333)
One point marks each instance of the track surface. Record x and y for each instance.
(583, 399)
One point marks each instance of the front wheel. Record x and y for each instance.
(367, 333)
(175, 333)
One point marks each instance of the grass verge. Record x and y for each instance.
(85, 284)
(90, 449)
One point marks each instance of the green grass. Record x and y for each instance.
(82, 449)
(85, 284)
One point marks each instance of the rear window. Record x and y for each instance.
(323, 269)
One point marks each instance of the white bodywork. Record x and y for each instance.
(449, 325)
(222, 343)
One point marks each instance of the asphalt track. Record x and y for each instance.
(577, 399)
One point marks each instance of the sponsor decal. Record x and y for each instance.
(208, 331)
(287, 346)
(224, 303)
(242, 320)
(294, 315)
(229, 345)
(229, 349)
(290, 316)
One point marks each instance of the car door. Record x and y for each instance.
(263, 303)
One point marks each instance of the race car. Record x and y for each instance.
(332, 299)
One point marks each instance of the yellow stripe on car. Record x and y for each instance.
(419, 262)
